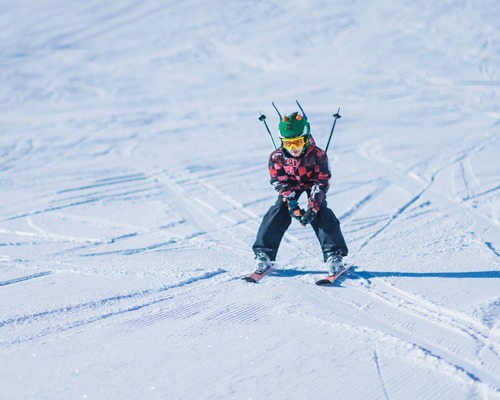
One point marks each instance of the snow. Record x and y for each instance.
(133, 175)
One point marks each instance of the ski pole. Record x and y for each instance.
(263, 119)
(337, 116)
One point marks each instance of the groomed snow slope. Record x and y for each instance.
(133, 175)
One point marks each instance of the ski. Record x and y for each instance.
(330, 278)
(255, 277)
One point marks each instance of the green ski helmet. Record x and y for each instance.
(294, 126)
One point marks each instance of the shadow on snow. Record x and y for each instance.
(465, 274)
(354, 273)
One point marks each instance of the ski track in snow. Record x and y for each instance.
(48, 322)
(420, 337)
(132, 195)
(25, 278)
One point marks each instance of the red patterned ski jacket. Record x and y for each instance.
(290, 174)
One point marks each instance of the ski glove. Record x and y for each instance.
(308, 217)
(294, 209)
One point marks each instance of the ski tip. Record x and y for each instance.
(331, 279)
(248, 279)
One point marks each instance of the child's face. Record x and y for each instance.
(294, 145)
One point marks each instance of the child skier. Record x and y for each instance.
(296, 167)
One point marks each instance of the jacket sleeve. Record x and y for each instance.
(279, 178)
(321, 179)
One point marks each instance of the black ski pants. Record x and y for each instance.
(277, 220)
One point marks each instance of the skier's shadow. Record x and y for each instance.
(353, 273)
(396, 274)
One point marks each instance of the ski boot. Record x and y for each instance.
(263, 262)
(334, 263)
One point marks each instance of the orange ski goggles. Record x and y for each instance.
(298, 143)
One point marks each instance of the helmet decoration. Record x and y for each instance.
(294, 126)
(294, 133)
